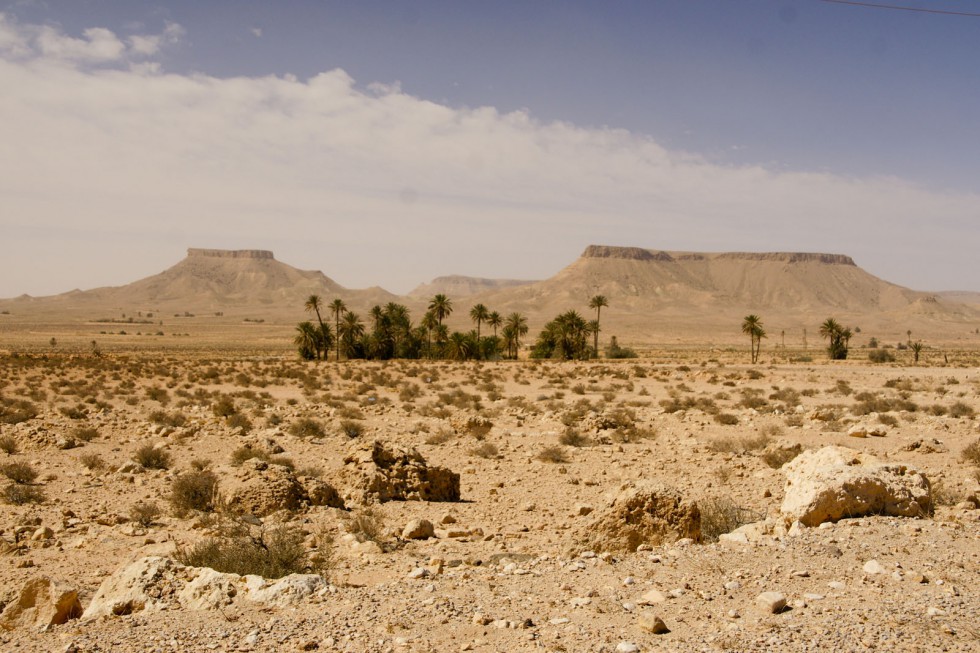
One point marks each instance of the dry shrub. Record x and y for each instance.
(945, 496)
(19, 472)
(726, 418)
(485, 450)
(306, 427)
(151, 457)
(739, 445)
(553, 454)
(15, 411)
(8, 445)
(720, 515)
(241, 454)
(194, 491)
(266, 552)
(18, 494)
(960, 409)
(92, 461)
(776, 458)
(144, 514)
(239, 421)
(350, 428)
(366, 525)
(441, 436)
(971, 453)
(572, 438)
(85, 433)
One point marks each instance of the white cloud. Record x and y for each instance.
(256, 32)
(148, 163)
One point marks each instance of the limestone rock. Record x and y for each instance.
(148, 584)
(642, 513)
(651, 623)
(771, 602)
(321, 493)
(286, 591)
(418, 529)
(394, 474)
(209, 590)
(262, 489)
(41, 603)
(836, 482)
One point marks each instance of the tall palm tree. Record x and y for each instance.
(495, 321)
(306, 340)
(752, 327)
(597, 302)
(518, 328)
(314, 303)
(429, 323)
(441, 306)
(338, 307)
(479, 314)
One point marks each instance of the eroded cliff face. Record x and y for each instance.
(640, 254)
(193, 252)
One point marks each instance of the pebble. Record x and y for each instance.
(651, 623)
(873, 567)
(772, 602)
(627, 647)
(652, 597)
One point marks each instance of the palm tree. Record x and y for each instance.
(306, 340)
(517, 324)
(441, 306)
(352, 330)
(597, 302)
(314, 303)
(752, 327)
(428, 323)
(338, 307)
(832, 330)
(459, 346)
(495, 321)
(479, 314)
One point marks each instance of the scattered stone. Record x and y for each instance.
(652, 597)
(771, 602)
(394, 474)
(873, 567)
(651, 623)
(41, 603)
(627, 647)
(418, 529)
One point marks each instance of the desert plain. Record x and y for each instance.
(682, 500)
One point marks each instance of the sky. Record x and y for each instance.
(387, 143)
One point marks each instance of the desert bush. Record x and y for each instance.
(239, 421)
(19, 472)
(776, 458)
(350, 428)
(164, 418)
(441, 436)
(92, 461)
(887, 420)
(720, 515)
(553, 454)
(151, 457)
(960, 409)
(938, 410)
(197, 490)
(269, 553)
(200, 464)
(8, 445)
(247, 452)
(485, 450)
(306, 427)
(158, 394)
(881, 356)
(739, 445)
(144, 514)
(85, 433)
(78, 411)
(15, 411)
(942, 495)
(971, 453)
(573, 438)
(726, 418)
(366, 525)
(224, 407)
(18, 494)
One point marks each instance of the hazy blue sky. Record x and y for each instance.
(389, 142)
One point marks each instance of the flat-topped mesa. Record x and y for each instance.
(791, 257)
(193, 252)
(628, 253)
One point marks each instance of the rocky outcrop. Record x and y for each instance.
(626, 253)
(230, 253)
(156, 584)
(790, 257)
(262, 488)
(394, 474)
(642, 513)
(41, 603)
(836, 482)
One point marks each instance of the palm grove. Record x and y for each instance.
(389, 332)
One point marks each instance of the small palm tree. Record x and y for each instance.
(441, 306)
(838, 337)
(352, 330)
(517, 324)
(459, 347)
(597, 302)
(916, 350)
(752, 327)
(314, 303)
(495, 321)
(306, 340)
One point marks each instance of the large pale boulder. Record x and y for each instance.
(837, 482)
(642, 513)
(42, 603)
(155, 584)
(394, 474)
(261, 489)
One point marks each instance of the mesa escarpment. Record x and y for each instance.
(640, 254)
(262, 254)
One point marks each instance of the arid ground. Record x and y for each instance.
(117, 454)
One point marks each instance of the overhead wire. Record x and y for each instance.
(877, 5)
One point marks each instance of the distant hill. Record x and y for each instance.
(218, 279)
(459, 286)
(961, 296)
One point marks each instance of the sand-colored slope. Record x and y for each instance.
(456, 285)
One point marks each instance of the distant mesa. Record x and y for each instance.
(194, 252)
(456, 285)
(640, 254)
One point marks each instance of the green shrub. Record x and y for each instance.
(197, 490)
(151, 457)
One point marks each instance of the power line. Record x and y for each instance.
(876, 5)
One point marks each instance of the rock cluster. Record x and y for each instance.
(396, 474)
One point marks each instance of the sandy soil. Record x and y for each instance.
(512, 576)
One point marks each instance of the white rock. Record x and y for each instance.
(627, 647)
(418, 529)
(652, 597)
(873, 567)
